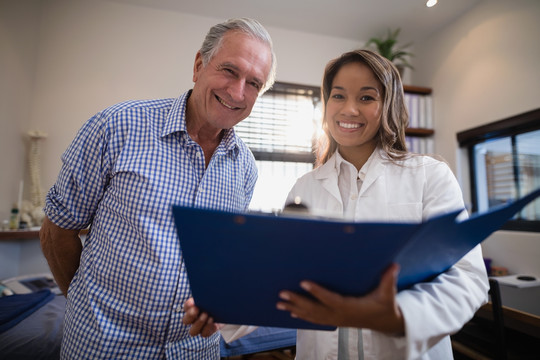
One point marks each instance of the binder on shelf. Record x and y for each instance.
(412, 102)
(422, 122)
(429, 112)
(237, 263)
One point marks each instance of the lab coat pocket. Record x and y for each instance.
(405, 212)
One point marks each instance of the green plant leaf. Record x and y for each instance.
(386, 47)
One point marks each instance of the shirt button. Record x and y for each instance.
(178, 309)
(354, 197)
(198, 155)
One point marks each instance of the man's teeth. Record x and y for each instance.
(350, 125)
(225, 104)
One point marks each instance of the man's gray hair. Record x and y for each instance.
(213, 40)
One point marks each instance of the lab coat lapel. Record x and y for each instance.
(374, 181)
(373, 196)
(327, 174)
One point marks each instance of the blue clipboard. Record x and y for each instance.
(237, 263)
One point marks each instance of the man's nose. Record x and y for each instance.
(236, 89)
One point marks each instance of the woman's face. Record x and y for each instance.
(354, 108)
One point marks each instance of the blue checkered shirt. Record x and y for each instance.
(125, 169)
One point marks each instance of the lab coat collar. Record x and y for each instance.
(374, 168)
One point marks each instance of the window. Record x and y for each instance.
(281, 132)
(504, 162)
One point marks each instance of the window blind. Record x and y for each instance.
(281, 132)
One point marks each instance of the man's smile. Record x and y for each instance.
(225, 104)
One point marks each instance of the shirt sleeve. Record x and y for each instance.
(72, 201)
(231, 333)
(251, 179)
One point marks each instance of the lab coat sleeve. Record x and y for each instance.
(234, 332)
(436, 309)
(441, 307)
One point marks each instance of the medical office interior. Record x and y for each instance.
(61, 61)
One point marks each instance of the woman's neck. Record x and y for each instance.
(357, 155)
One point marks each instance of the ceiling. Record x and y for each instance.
(350, 19)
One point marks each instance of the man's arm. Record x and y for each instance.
(62, 249)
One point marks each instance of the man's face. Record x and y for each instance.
(227, 87)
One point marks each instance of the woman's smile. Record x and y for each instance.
(349, 125)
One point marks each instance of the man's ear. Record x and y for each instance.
(197, 66)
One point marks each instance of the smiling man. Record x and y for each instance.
(121, 175)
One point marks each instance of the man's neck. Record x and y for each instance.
(208, 137)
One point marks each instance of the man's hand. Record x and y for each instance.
(62, 248)
(201, 323)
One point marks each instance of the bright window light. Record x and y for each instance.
(280, 132)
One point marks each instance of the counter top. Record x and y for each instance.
(18, 234)
(10, 235)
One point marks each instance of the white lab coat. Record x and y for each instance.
(414, 190)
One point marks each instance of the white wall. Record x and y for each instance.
(482, 68)
(19, 22)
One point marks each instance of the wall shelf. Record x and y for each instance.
(417, 89)
(419, 132)
(10, 235)
(18, 234)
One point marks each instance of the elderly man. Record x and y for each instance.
(121, 175)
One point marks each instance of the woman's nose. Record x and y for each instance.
(350, 107)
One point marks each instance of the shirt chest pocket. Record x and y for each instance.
(144, 181)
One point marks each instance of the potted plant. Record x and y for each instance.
(387, 47)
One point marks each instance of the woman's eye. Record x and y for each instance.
(367, 98)
(337, 96)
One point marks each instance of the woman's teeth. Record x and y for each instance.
(349, 125)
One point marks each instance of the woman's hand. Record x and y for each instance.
(201, 323)
(377, 310)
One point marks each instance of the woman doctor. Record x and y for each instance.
(366, 174)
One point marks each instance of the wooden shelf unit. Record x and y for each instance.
(418, 100)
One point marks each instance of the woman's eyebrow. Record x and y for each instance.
(365, 88)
